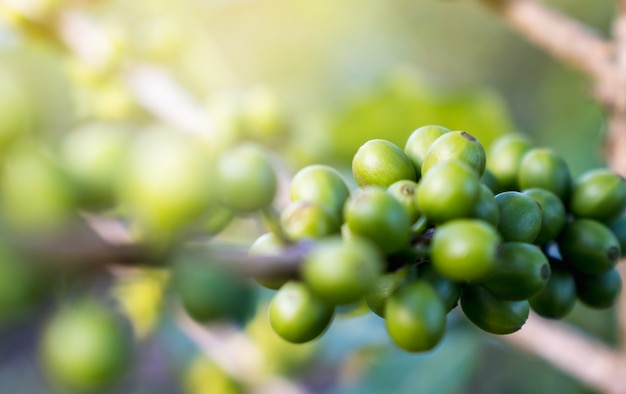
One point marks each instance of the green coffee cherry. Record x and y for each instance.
(553, 215)
(268, 244)
(599, 194)
(504, 158)
(543, 168)
(418, 143)
(297, 315)
(522, 270)
(216, 219)
(93, 156)
(492, 314)
(381, 163)
(489, 180)
(246, 178)
(376, 215)
(486, 208)
(85, 348)
(520, 217)
(263, 116)
(558, 297)
(448, 290)
(384, 287)
(599, 291)
(406, 193)
(168, 182)
(303, 219)
(465, 250)
(210, 293)
(415, 317)
(342, 272)
(589, 246)
(458, 146)
(320, 184)
(618, 228)
(35, 195)
(448, 191)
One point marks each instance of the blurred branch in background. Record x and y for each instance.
(616, 142)
(605, 63)
(153, 87)
(580, 47)
(562, 37)
(574, 352)
(236, 354)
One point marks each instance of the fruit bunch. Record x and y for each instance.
(429, 226)
(441, 223)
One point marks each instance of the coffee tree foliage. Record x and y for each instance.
(171, 201)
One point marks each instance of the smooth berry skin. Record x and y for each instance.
(381, 163)
(268, 244)
(459, 146)
(418, 143)
(491, 314)
(246, 178)
(415, 317)
(544, 168)
(618, 228)
(520, 217)
(486, 208)
(384, 287)
(589, 246)
(406, 193)
(209, 293)
(35, 194)
(558, 298)
(449, 291)
(599, 291)
(522, 270)
(376, 215)
(465, 250)
(450, 190)
(297, 315)
(85, 347)
(504, 158)
(553, 214)
(301, 220)
(342, 272)
(600, 195)
(93, 156)
(168, 183)
(320, 184)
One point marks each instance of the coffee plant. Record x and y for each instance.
(438, 225)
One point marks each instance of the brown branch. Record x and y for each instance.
(619, 74)
(564, 38)
(616, 87)
(237, 355)
(575, 353)
(82, 250)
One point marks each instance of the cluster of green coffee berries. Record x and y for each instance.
(440, 223)
(436, 224)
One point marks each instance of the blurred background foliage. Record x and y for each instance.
(313, 80)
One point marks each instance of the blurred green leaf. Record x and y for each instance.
(406, 101)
